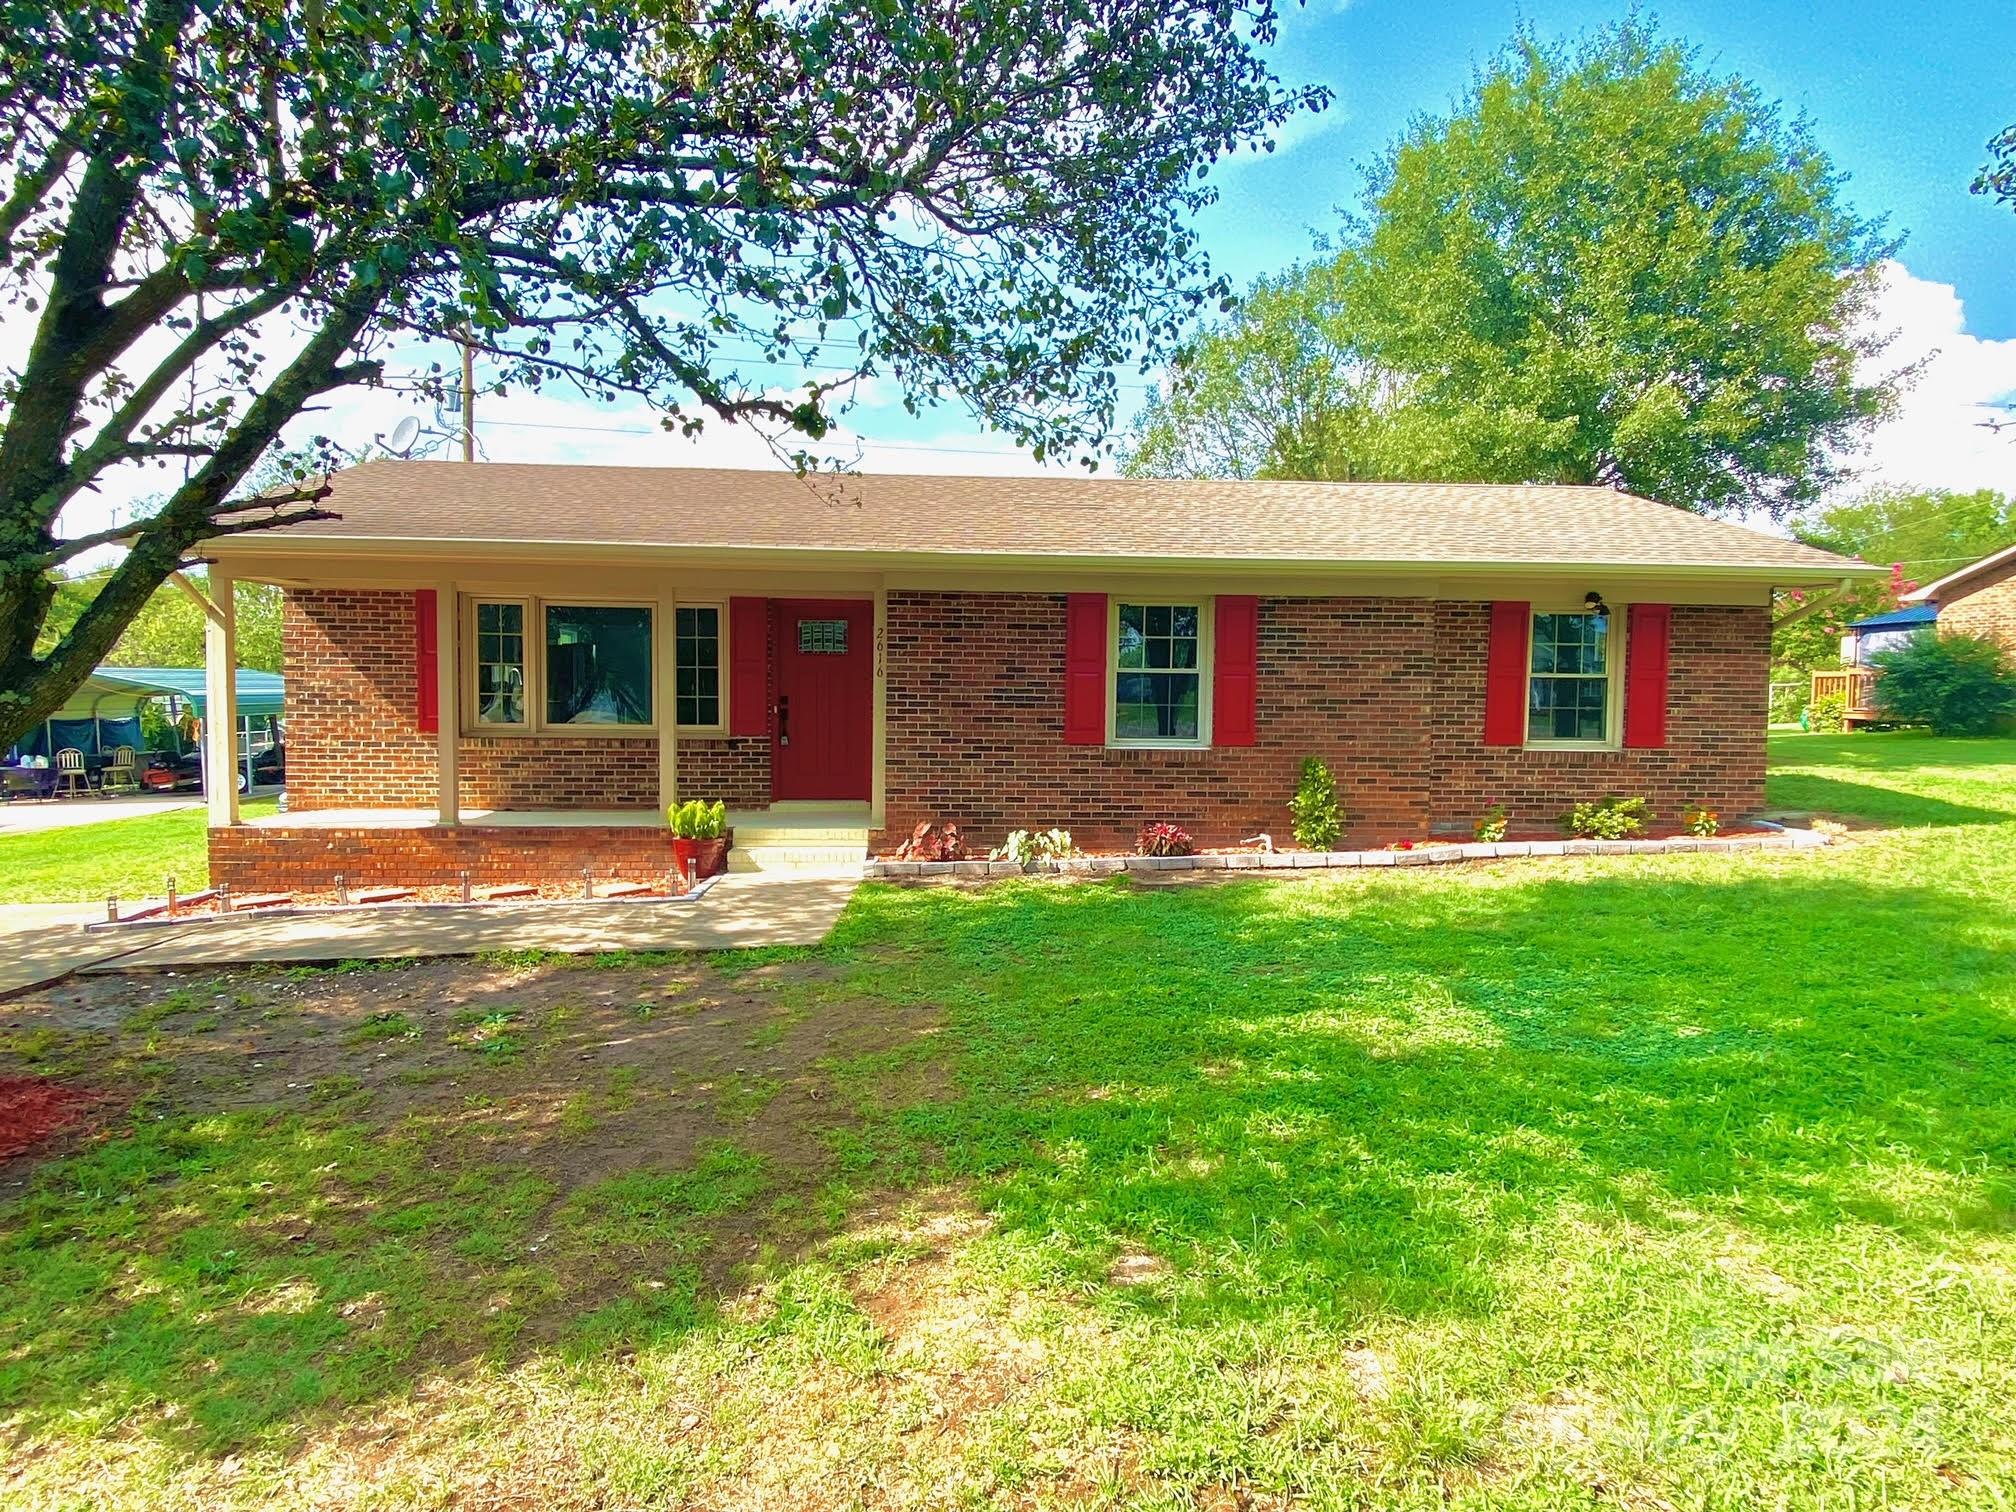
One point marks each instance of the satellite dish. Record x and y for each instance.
(404, 434)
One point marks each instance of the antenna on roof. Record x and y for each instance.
(404, 435)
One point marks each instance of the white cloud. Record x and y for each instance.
(1936, 439)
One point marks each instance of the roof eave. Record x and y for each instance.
(323, 547)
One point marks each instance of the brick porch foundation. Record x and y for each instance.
(267, 858)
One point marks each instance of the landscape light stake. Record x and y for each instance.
(223, 897)
(465, 887)
(112, 909)
(342, 892)
(587, 882)
(171, 895)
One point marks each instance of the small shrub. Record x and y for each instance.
(697, 819)
(1612, 819)
(1165, 840)
(1024, 847)
(1490, 829)
(1957, 684)
(1317, 820)
(1699, 819)
(1827, 713)
(934, 842)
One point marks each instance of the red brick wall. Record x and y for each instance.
(734, 769)
(558, 771)
(352, 740)
(265, 858)
(351, 701)
(975, 724)
(1988, 609)
(1388, 691)
(1715, 727)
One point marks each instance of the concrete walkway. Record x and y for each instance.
(24, 816)
(735, 912)
(41, 942)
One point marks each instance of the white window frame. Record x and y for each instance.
(474, 722)
(720, 608)
(1613, 703)
(536, 723)
(1206, 625)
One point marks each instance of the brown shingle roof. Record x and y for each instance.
(1122, 519)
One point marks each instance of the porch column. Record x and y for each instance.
(447, 701)
(220, 700)
(665, 646)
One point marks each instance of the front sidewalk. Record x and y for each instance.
(42, 943)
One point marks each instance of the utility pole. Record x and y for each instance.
(468, 401)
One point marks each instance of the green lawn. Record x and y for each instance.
(131, 857)
(1638, 1183)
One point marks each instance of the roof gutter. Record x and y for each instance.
(323, 548)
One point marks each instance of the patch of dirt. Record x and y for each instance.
(32, 1108)
(576, 1071)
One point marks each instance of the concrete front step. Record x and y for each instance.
(797, 857)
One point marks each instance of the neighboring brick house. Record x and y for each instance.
(1979, 599)
(501, 668)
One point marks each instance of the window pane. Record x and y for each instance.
(1156, 685)
(598, 665)
(500, 663)
(1156, 706)
(696, 665)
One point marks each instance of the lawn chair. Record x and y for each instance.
(121, 771)
(71, 778)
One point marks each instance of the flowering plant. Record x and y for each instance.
(1490, 829)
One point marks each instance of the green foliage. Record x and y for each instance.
(696, 819)
(1827, 714)
(218, 214)
(1957, 684)
(1024, 847)
(1491, 826)
(1925, 532)
(1611, 819)
(1532, 273)
(130, 857)
(1317, 818)
(168, 630)
(1788, 697)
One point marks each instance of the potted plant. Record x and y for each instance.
(700, 837)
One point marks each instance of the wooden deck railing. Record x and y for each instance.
(1858, 687)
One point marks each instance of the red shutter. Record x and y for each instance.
(748, 666)
(426, 663)
(1647, 657)
(1505, 675)
(1235, 671)
(1085, 669)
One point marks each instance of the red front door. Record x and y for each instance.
(820, 740)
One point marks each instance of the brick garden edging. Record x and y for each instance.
(1425, 855)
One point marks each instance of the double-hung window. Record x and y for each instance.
(1158, 673)
(537, 665)
(500, 663)
(1571, 689)
(696, 673)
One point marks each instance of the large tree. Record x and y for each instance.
(215, 212)
(1606, 265)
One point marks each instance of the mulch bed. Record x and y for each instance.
(31, 1109)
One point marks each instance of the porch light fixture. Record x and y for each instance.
(1592, 603)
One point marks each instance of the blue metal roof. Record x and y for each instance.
(1899, 619)
(258, 692)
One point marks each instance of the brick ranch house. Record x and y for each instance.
(1979, 599)
(511, 670)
